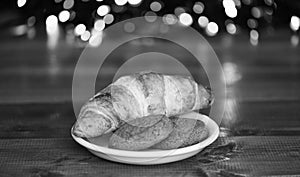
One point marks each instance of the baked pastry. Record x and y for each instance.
(186, 132)
(141, 133)
(139, 95)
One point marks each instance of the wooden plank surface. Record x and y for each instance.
(234, 156)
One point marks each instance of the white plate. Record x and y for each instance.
(99, 147)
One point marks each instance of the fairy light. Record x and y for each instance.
(203, 21)
(198, 7)
(170, 19)
(21, 3)
(103, 10)
(108, 18)
(99, 25)
(295, 23)
(68, 4)
(79, 29)
(231, 28)
(212, 29)
(64, 16)
(134, 2)
(185, 19)
(120, 2)
(230, 8)
(254, 37)
(85, 36)
(155, 6)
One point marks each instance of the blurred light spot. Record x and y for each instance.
(269, 2)
(212, 29)
(134, 2)
(85, 36)
(68, 4)
(228, 4)
(237, 3)
(256, 12)
(79, 29)
(64, 16)
(198, 7)
(99, 0)
(254, 37)
(169, 19)
(295, 40)
(129, 27)
(247, 2)
(203, 21)
(108, 19)
(150, 16)
(58, 1)
(31, 21)
(118, 9)
(103, 10)
(31, 33)
(72, 15)
(99, 25)
(19, 30)
(185, 19)
(21, 3)
(231, 12)
(231, 28)
(120, 2)
(231, 72)
(178, 11)
(295, 23)
(52, 31)
(252, 23)
(96, 39)
(155, 6)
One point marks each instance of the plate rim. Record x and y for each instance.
(156, 153)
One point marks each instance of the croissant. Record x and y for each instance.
(139, 95)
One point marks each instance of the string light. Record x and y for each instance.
(295, 23)
(212, 29)
(203, 21)
(79, 29)
(68, 4)
(155, 6)
(21, 3)
(185, 19)
(134, 2)
(103, 10)
(120, 2)
(99, 25)
(64, 16)
(198, 7)
(108, 18)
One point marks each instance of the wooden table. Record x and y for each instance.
(260, 132)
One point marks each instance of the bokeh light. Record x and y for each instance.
(185, 19)
(120, 2)
(103, 10)
(254, 37)
(68, 4)
(155, 6)
(108, 18)
(170, 19)
(230, 8)
(85, 36)
(21, 3)
(129, 27)
(51, 24)
(212, 29)
(79, 29)
(231, 28)
(198, 7)
(64, 16)
(294, 40)
(150, 16)
(134, 2)
(256, 12)
(252, 23)
(295, 23)
(179, 10)
(203, 21)
(99, 25)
